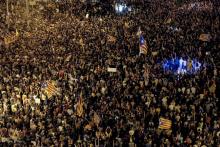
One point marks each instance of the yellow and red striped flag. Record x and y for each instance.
(79, 106)
(165, 123)
(50, 88)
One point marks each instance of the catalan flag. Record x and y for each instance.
(165, 123)
(50, 88)
(79, 106)
(142, 45)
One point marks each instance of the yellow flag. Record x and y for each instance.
(16, 33)
(165, 123)
(6, 40)
(79, 106)
(168, 21)
(81, 42)
(50, 87)
(205, 37)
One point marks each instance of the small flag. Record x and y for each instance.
(96, 119)
(126, 25)
(81, 42)
(50, 88)
(142, 45)
(68, 58)
(165, 123)
(88, 127)
(111, 38)
(16, 33)
(168, 21)
(154, 53)
(79, 106)
(11, 38)
(205, 37)
(139, 32)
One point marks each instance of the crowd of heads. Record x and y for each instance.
(61, 44)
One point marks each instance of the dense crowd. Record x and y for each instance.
(75, 51)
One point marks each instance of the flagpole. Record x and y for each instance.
(7, 15)
(27, 12)
(7, 7)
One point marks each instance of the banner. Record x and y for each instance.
(112, 69)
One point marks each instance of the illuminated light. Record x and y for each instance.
(122, 8)
(182, 66)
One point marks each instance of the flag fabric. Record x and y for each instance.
(139, 32)
(154, 53)
(79, 106)
(88, 127)
(68, 58)
(81, 42)
(142, 45)
(168, 21)
(126, 25)
(165, 123)
(111, 38)
(50, 88)
(205, 37)
(16, 33)
(11, 38)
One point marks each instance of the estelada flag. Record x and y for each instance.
(50, 88)
(165, 123)
(143, 45)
